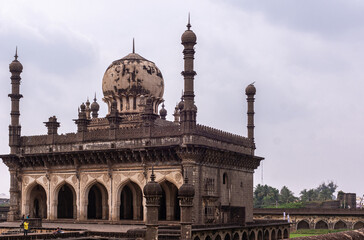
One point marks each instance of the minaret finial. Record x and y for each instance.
(152, 177)
(95, 97)
(189, 22)
(16, 53)
(133, 45)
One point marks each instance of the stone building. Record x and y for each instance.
(99, 172)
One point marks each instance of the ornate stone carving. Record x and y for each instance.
(54, 180)
(26, 180)
(164, 173)
(105, 178)
(178, 177)
(74, 180)
(129, 174)
(117, 178)
(45, 180)
(84, 179)
(141, 178)
(95, 175)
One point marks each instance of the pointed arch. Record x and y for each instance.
(65, 199)
(303, 224)
(129, 201)
(227, 237)
(340, 225)
(321, 225)
(169, 205)
(236, 236)
(218, 237)
(279, 234)
(285, 233)
(260, 235)
(273, 235)
(207, 237)
(266, 234)
(36, 201)
(245, 236)
(96, 201)
(358, 225)
(252, 235)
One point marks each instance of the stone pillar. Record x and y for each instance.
(52, 125)
(250, 92)
(185, 194)
(14, 197)
(152, 193)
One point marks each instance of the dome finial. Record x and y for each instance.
(152, 177)
(133, 46)
(95, 98)
(16, 53)
(189, 22)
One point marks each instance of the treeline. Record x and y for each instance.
(266, 196)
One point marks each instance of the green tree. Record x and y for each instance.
(309, 195)
(323, 192)
(286, 196)
(265, 195)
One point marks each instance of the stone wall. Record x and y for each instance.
(348, 235)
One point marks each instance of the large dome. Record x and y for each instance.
(126, 79)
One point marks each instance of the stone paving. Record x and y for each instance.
(97, 227)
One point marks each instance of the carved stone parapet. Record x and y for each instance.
(153, 201)
(186, 201)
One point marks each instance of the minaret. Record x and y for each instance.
(188, 113)
(15, 129)
(250, 92)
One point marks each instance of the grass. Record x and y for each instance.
(314, 232)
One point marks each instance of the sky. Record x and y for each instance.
(305, 57)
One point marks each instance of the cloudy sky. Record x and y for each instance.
(305, 57)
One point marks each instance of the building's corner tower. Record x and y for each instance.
(250, 93)
(15, 68)
(189, 111)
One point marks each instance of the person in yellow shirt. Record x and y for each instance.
(26, 228)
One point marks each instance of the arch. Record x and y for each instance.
(36, 201)
(266, 235)
(279, 234)
(236, 236)
(273, 235)
(196, 238)
(208, 237)
(303, 224)
(340, 225)
(321, 225)
(285, 233)
(252, 235)
(225, 179)
(218, 237)
(65, 196)
(169, 205)
(358, 225)
(260, 235)
(227, 237)
(97, 201)
(129, 201)
(244, 236)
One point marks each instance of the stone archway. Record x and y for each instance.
(37, 202)
(245, 236)
(273, 235)
(285, 233)
(279, 234)
(358, 225)
(97, 202)
(227, 237)
(169, 205)
(321, 225)
(260, 235)
(236, 236)
(340, 225)
(266, 235)
(66, 202)
(303, 224)
(130, 202)
(218, 237)
(252, 235)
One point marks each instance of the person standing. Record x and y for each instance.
(26, 228)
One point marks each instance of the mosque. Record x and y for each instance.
(100, 171)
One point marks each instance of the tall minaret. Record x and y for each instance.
(250, 92)
(188, 113)
(15, 68)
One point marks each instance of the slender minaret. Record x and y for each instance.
(188, 113)
(15, 68)
(250, 92)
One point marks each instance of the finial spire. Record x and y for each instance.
(186, 178)
(133, 45)
(16, 53)
(189, 22)
(152, 177)
(95, 97)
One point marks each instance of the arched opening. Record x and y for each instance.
(252, 235)
(273, 235)
(260, 235)
(245, 236)
(169, 205)
(131, 202)
(227, 237)
(285, 234)
(225, 179)
(236, 236)
(358, 225)
(207, 238)
(97, 207)
(266, 235)
(303, 224)
(279, 234)
(218, 237)
(340, 225)
(38, 202)
(66, 204)
(196, 238)
(321, 225)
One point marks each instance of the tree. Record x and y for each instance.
(309, 195)
(323, 192)
(265, 195)
(286, 196)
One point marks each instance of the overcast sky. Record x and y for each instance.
(306, 57)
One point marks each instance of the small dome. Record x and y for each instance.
(163, 112)
(188, 37)
(15, 66)
(250, 90)
(181, 105)
(152, 188)
(95, 106)
(83, 107)
(186, 190)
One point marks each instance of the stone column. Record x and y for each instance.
(14, 197)
(152, 193)
(250, 92)
(185, 194)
